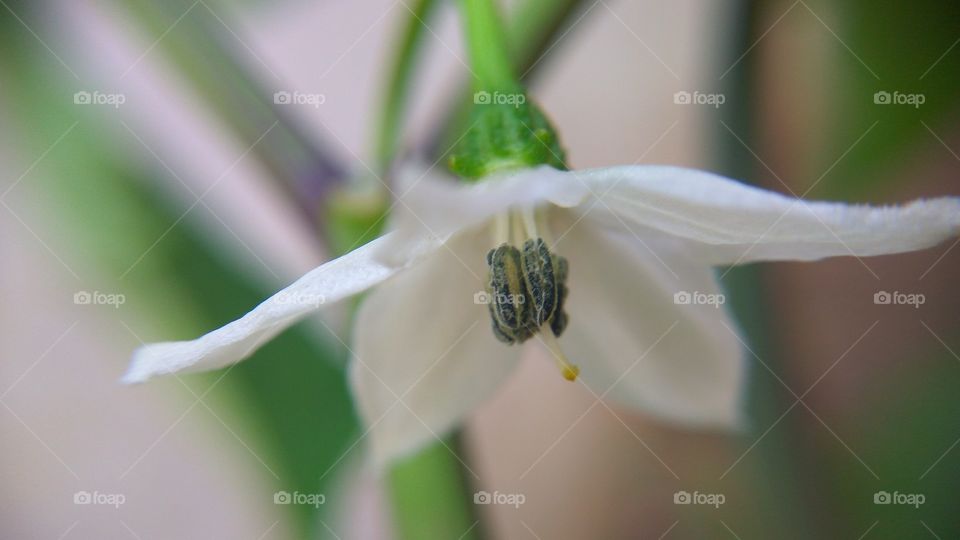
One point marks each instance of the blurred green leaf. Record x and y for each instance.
(900, 49)
(908, 433)
(108, 210)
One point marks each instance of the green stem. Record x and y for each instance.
(487, 47)
(233, 91)
(398, 83)
(532, 27)
(430, 496)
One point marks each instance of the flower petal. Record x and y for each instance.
(425, 353)
(681, 362)
(731, 223)
(436, 205)
(328, 283)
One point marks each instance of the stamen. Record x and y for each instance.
(508, 301)
(516, 230)
(527, 286)
(529, 223)
(568, 370)
(540, 219)
(538, 274)
(501, 229)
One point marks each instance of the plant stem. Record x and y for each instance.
(303, 167)
(487, 47)
(531, 28)
(397, 87)
(430, 496)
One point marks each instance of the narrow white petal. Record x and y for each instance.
(425, 353)
(326, 284)
(734, 223)
(437, 205)
(635, 344)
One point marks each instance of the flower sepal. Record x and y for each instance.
(508, 132)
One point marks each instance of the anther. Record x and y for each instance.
(538, 273)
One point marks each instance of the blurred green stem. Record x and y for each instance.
(198, 47)
(751, 291)
(534, 27)
(397, 89)
(431, 498)
(486, 43)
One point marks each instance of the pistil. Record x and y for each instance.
(567, 369)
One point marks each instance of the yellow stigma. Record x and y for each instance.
(568, 370)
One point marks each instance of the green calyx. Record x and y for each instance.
(507, 132)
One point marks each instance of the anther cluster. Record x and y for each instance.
(527, 290)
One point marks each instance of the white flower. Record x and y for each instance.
(634, 237)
